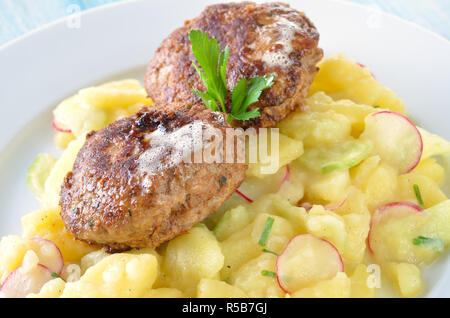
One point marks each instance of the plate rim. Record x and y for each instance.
(49, 25)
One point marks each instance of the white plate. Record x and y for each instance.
(116, 41)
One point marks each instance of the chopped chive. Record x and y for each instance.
(55, 275)
(418, 195)
(268, 273)
(423, 240)
(129, 212)
(265, 233)
(270, 252)
(376, 106)
(222, 180)
(91, 223)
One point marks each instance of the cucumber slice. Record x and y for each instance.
(232, 221)
(39, 172)
(326, 159)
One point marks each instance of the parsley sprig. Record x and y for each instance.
(212, 71)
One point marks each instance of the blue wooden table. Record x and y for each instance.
(20, 16)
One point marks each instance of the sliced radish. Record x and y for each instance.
(363, 66)
(244, 196)
(286, 177)
(60, 128)
(306, 205)
(49, 254)
(305, 260)
(395, 139)
(391, 210)
(335, 206)
(253, 187)
(21, 282)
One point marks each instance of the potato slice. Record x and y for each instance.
(191, 257)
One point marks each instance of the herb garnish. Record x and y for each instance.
(266, 230)
(213, 63)
(222, 180)
(270, 252)
(268, 273)
(418, 195)
(91, 223)
(433, 242)
(55, 275)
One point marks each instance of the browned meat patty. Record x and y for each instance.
(130, 186)
(263, 39)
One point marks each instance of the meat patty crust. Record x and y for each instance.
(131, 186)
(263, 39)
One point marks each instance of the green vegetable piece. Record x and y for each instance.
(213, 71)
(55, 275)
(266, 231)
(232, 221)
(38, 173)
(270, 252)
(268, 273)
(326, 159)
(418, 195)
(436, 243)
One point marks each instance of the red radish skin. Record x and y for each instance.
(56, 264)
(11, 287)
(277, 266)
(363, 66)
(286, 177)
(59, 128)
(384, 209)
(244, 196)
(414, 164)
(418, 133)
(307, 206)
(332, 207)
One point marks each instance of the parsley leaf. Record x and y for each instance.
(238, 95)
(207, 52)
(257, 85)
(207, 100)
(212, 71)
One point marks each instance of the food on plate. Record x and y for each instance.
(405, 233)
(132, 185)
(39, 172)
(94, 107)
(356, 212)
(262, 39)
(354, 202)
(395, 138)
(307, 260)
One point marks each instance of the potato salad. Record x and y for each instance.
(354, 208)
